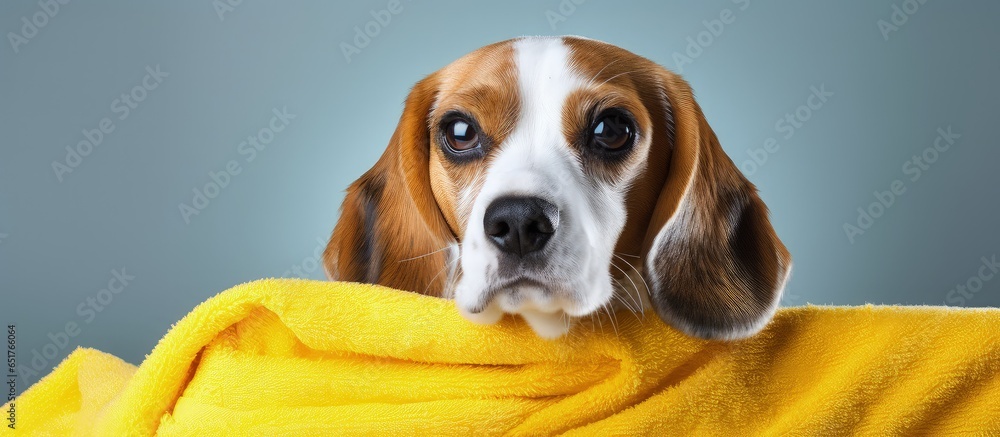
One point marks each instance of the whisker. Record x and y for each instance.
(619, 74)
(644, 284)
(614, 316)
(618, 296)
(428, 288)
(634, 313)
(602, 69)
(429, 254)
(615, 292)
(451, 282)
(635, 287)
(599, 321)
(610, 318)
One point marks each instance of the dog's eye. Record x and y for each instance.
(612, 131)
(461, 135)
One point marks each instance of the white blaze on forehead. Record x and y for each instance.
(536, 160)
(536, 155)
(545, 81)
(538, 145)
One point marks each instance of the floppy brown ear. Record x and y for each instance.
(714, 265)
(390, 225)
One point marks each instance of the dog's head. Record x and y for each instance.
(545, 177)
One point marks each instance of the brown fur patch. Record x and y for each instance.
(483, 85)
(719, 275)
(398, 216)
(624, 73)
(390, 220)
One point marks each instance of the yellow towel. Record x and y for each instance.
(292, 357)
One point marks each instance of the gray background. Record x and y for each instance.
(119, 209)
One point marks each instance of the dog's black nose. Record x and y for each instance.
(520, 225)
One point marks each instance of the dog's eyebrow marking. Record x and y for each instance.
(371, 193)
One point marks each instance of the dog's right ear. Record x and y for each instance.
(390, 224)
(715, 266)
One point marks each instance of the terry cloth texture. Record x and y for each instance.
(295, 357)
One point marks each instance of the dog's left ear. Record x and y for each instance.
(391, 231)
(714, 265)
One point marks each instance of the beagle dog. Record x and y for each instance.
(552, 177)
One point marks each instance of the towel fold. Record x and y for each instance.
(294, 357)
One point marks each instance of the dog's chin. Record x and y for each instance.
(549, 326)
(548, 310)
